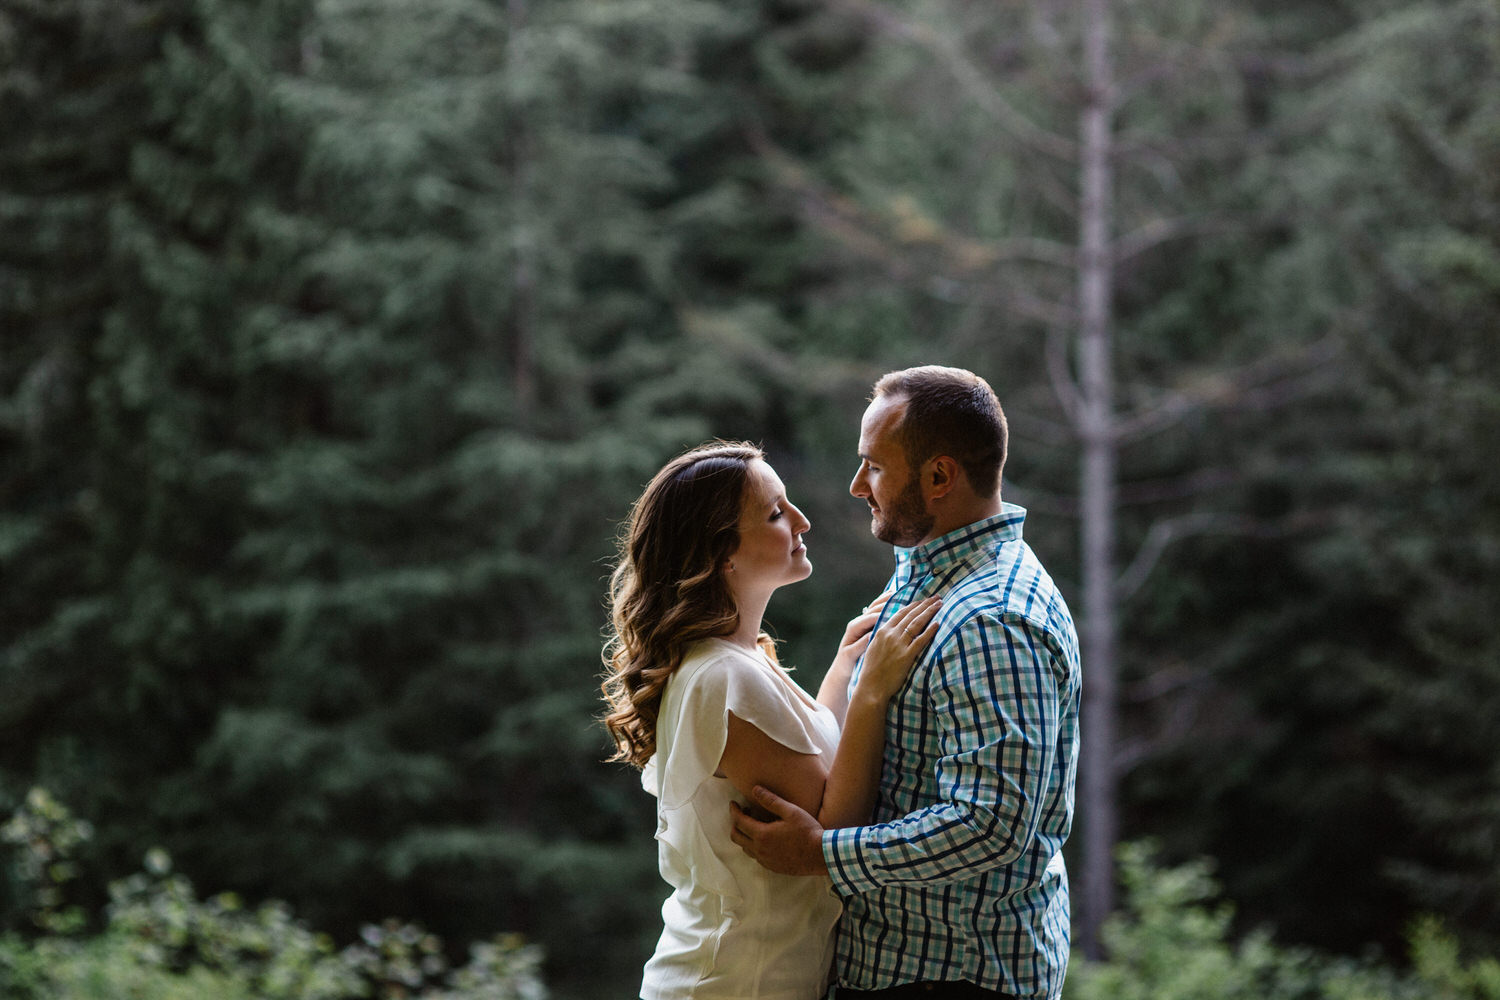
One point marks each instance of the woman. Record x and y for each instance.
(699, 703)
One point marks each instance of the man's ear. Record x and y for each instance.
(940, 476)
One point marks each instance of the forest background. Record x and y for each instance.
(337, 337)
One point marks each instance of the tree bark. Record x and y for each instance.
(1097, 480)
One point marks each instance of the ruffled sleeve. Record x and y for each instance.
(694, 723)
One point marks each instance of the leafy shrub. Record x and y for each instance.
(1435, 954)
(160, 942)
(45, 838)
(1173, 940)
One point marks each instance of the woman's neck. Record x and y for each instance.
(752, 611)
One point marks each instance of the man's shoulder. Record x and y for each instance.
(1008, 587)
(1009, 578)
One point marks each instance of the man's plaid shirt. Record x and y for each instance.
(961, 877)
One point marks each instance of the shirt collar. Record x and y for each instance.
(958, 546)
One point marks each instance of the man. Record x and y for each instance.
(958, 888)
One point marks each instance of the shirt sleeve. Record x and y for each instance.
(693, 731)
(994, 702)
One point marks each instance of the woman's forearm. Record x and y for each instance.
(833, 693)
(854, 778)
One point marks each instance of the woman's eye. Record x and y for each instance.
(775, 515)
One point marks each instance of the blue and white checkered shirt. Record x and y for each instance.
(961, 877)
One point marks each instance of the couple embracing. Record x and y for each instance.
(899, 835)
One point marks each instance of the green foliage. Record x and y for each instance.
(160, 940)
(105, 969)
(336, 338)
(1338, 715)
(1439, 964)
(46, 840)
(387, 310)
(1174, 939)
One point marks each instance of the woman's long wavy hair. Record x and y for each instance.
(668, 589)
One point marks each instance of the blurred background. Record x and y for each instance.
(338, 336)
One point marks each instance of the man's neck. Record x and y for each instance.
(962, 517)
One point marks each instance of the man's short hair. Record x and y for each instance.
(953, 412)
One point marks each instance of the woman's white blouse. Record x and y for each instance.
(733, 930)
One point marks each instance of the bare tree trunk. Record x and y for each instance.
(1079, 353)
(1097, 485)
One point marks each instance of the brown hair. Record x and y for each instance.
(668, 588)
(950, 411)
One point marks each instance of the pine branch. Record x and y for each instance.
(978, 88)
(1169, 530)
(1064, 385)
(1177, 487)
(1131, 752)
(1262, 385)
(1158, 231)
(1163, 533)
(904, 224)
(1161, 682)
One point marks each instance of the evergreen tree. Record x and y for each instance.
(74, 104)
(1345, 730)
(405, 301)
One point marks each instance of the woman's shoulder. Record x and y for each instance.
(714, 651)
(714, 657)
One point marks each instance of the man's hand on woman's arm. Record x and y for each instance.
(791, 844)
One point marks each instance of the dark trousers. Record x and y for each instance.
(921, 991)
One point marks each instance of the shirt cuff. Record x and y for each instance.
(843, 853)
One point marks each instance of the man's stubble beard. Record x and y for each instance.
(906, 521)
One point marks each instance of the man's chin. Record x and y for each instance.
(892, 535)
